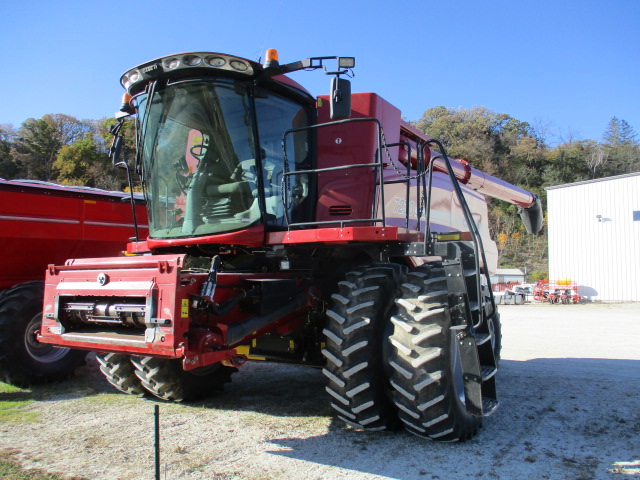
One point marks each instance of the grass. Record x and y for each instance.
(10, 469)
(13, 401)
(106, 399)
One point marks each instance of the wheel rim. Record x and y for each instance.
(41, 352)
(456, 364)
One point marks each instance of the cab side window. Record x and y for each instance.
(276, 115)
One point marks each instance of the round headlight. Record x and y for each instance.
(171, 63)
(216, 61)
(191, 60)
(240, 66)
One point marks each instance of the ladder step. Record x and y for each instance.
(488, 372)
(489, 406)
(469, 272)
(482, 338)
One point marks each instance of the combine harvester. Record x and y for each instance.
(332, 234)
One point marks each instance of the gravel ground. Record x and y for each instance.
(569, 388)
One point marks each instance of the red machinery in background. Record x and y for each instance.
(561, 291)
(43, 223)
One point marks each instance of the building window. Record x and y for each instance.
(636, 216)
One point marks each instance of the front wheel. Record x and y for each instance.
(166, 379)
(427, 375)
(120, 372)
(23, 360)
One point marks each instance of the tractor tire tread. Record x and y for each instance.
(420, 361)
(354, 331)
(120, 372)
(166, 379)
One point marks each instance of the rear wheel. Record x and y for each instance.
(120, 373)
(23, 360)
(166, 379)
(355, 329)
(427, 375)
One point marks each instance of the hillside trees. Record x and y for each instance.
(63, 149)
(496, 143)
(512, 150)
(38, 143)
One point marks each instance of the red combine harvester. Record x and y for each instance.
(43, 223)
(331, 235)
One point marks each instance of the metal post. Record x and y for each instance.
(156, 412)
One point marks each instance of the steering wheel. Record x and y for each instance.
(198, 150)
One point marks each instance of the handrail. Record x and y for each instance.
(378, 165)
(478, 247)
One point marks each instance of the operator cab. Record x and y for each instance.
(212, 160)
(211, 154)
(210, 146)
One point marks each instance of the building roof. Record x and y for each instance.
(508, 271)
(584, 182)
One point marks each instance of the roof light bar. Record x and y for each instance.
(185, 63)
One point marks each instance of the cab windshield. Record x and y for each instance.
(198, 151)
(198, 154)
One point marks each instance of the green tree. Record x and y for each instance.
(73, 164)
(621, 147)
(8, 167)
(566, 163)
(37, 146)
(495, 143)
(39, 141)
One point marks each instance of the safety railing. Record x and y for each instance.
(377, 214)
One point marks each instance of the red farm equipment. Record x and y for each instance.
(562, 291)
(43, 223)
(323, 232)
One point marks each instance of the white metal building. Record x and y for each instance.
(594, 236)
(508, 275)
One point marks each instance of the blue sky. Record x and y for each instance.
(568, 65)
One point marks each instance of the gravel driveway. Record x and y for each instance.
(569, 387)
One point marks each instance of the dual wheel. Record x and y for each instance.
(392, 356)
(163, 378)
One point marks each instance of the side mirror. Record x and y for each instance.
(340, 99)
(114, 151)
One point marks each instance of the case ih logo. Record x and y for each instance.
(103, 279)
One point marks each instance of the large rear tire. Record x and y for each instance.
(23, 360)
(355, 329)
(427, 373)
(120, 372)
(166, 379)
